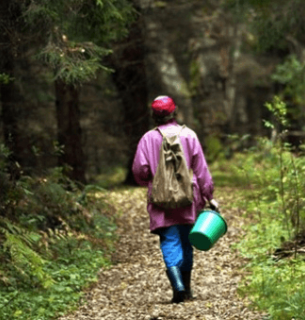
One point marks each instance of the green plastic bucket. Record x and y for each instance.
(209, 227)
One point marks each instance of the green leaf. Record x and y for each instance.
(17, 313)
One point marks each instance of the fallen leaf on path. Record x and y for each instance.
(137, 287)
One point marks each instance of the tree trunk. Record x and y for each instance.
(164, 69)
(69, 130)
(232, 54)
(8, 17)
(130, 80)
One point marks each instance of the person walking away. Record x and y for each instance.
(174, 224)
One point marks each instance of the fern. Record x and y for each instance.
(20, 243)
(89, 188)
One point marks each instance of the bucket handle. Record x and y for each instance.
(211, 206)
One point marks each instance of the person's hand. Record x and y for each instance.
(214, 205)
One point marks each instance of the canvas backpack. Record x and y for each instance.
(172, 184)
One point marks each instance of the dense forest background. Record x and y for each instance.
(77, 78)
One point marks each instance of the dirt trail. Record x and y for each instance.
(136, 287)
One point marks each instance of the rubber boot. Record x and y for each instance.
(186, 277)
(175, 278)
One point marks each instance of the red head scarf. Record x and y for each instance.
(163, 106)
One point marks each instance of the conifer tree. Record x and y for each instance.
(128, 62)
(76, 35)
(9, 24)
(70, 37)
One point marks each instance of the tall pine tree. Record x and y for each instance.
(77, 36)
(71, 37)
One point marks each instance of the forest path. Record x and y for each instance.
(136, 287)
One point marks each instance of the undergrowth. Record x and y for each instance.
(272, 196)
(70, 274)
(54, 238)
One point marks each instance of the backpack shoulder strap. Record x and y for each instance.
(158, 129)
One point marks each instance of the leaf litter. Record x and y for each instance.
(136, 286)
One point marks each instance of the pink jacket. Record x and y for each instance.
(145, 165)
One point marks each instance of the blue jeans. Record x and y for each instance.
(176, 247)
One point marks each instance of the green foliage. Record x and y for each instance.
(274, 23)
(95, 20)
(276, 287)
(53, 240)
(277, 27)
(277, 176)
(5, 78)
(112, 176)
(73, 270)
(74, 63)
(214, 148)
(160, 4)
(291, 74)
(272, 285)
(76, 35)
(19, 250)
(279, 109)
(273, 198)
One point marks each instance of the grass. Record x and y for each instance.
(274, 286)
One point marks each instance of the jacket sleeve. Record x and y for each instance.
(201, 171)
(140, 168)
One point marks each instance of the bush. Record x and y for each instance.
(53, 240)
(273, 197)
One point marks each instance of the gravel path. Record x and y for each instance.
(136, 287)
